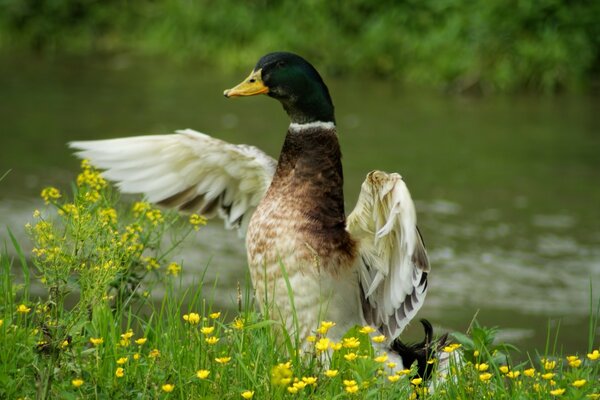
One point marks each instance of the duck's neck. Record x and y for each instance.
(310, 167)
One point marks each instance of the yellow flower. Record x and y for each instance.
(594, 355)
(223, 360)
(311, 338)
(238, 323)
(96, 341)
(347, 382)
(120, 372)
(391, 365)
(197, 220)
(136, 356)
(579, 383)
(393, 378)
(352, 389)
(23, 309)
(1, 323)
(299, 385)
(154, 353)
(548, 375)
(310, 380)
(378, 339)
(367, 329)
(403, 372)
(292, 389)
(451, 347)
(330, 373)
(281, 374)
(513, 374)
(202, 373)
(173, 269)
(416, 381)
(382, 358)
(49, 194)
(504, 369)
(168, 387)
(192, 318)
(215, 315)
(140, 341)
(122, 360)
(154, 216)
(350, 356)
(207, 330)
(248, 394)
(549, 365)
(486, 376)
(476, 353)
(350, 343)
(557, 392)
(336, 346)
(575, 363)
(211, 340)
(529, 372)
(322, 344)
(77, 382)
(594, 396)
(482, 367)
(325, 327)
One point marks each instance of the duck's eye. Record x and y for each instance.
(280, 64)
(252, 80)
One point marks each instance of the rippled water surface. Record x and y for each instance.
(507, 188)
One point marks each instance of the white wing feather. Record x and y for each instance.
(187, 170)
(393, 266)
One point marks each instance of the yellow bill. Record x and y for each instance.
(251, 86)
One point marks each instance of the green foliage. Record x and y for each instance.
(486, 45)
(97, 333)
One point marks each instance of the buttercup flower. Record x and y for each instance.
(120, 372)
(322, 344)
(140, 341)
(202, 373)
(77, 382)
(330, 373)
(393, 378)
(211, 340)
(167, 387)
(350, 343)
(207, 330)
(529, 372)
(486, 376)
(350, 356)
(192, 318)
(557, 392)
(378, 339)
(594, 355)
(367, 329)
(96, 341)
(23, 309)
(215, 315)
(223, 360)
(248, 394)
(579, 383)
(325, 327)
(122, 360)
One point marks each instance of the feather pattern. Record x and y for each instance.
(187, 170)
(393, 264)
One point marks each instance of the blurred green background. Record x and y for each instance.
(460, 45)
(488, 108)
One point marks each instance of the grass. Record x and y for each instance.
(97, 333)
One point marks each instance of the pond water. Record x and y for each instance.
(507, 188)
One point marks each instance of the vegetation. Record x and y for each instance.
(97, 334)
(485, 45)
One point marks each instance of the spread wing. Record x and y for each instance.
(187, 170)
(393, 264)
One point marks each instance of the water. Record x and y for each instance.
(507, 188)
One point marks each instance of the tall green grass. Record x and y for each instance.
(97, 332)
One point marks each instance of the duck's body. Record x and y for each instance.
(304, 256)
(300, 225)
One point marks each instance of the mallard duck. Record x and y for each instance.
(305, 256)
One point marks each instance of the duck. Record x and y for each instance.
(308, 261)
